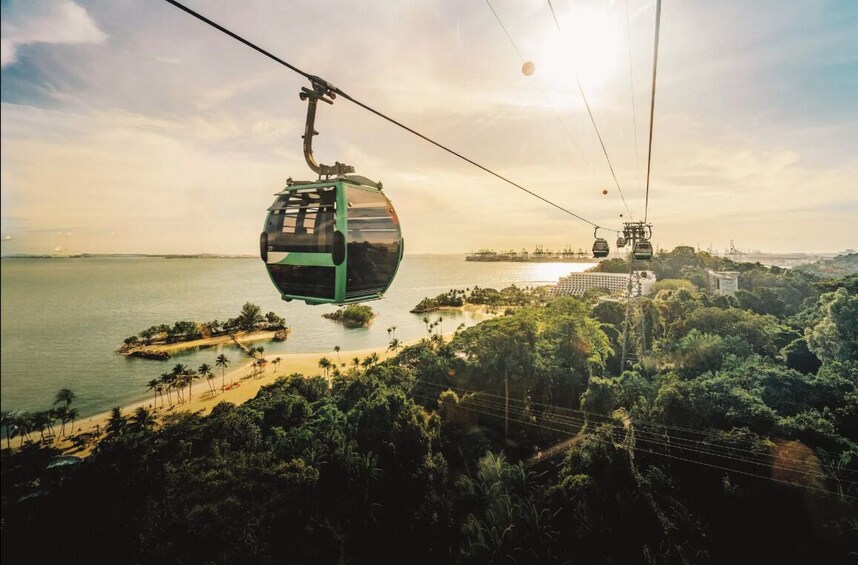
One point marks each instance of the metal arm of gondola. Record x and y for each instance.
(325, 92)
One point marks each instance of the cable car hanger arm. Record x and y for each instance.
(325, 92)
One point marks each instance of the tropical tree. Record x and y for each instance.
(250, 317)
(337, 350)
(72, 415)
(180, 372)
(501, 349)
(65, 396)
(61, 413)
(117, 423)
(275, 364)
(325, 364)
(23, 426)
(222, 362)
(205, 372)
(167, 380)
(142, 419)
(153, 384)
(394, 345)
(40, 422)
(7, 421)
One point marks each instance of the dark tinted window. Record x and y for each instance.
(300, 280)
(373, 241)
(303, 220)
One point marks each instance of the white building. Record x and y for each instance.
(723, 282)
(576, 284)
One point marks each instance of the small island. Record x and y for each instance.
(160, 341)
(352, 316)
(455, 299)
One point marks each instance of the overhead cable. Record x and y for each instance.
(340, 92)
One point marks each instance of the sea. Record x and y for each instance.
(63, 318)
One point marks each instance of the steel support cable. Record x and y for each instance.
(641, 427)
(652, 105)
(593, 120)
(372, 110)
(659, 453)
(650, 438)
(632, 90)
(541, 89)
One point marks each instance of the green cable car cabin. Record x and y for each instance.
(333, 241)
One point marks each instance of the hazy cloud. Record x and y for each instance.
(55, 21)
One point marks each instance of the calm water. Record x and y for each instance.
(62, 319)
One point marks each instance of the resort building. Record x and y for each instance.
(723, 282)
(576, 284)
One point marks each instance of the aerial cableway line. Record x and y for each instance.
(315, 80)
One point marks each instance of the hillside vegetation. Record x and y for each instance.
(731, 436)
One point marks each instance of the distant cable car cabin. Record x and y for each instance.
(335, 240)
(600, 246)
(621, 242)
(642, 250)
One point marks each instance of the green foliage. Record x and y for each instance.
(352, 316)
(835, 336)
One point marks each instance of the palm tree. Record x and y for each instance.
(222, 361)
(7, 420)
(117, 422)
(394, 345)
(440, 319)
(426, 321)
(40, 421)
(24, 423)
(153, 385)
(337, 350)
(394, 331)
(65, 395)
(275, 364)
(205, 371)
(178, 382)
(356, 362)
(325, 364)
(142, 419)
(166, 381)
(62, 414)
(72, 415)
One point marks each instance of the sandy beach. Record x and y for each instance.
(241, 337)
(203, 400)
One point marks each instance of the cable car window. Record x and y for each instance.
(303, 280)
(303, 221)
(373, 242)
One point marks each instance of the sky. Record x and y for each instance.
(131, 127)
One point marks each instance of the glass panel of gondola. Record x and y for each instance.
(373, 243)
(302, 221)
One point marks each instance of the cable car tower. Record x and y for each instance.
(637, 235)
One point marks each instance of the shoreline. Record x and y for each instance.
(241, 337)
(203, 400)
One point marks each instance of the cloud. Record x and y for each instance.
(58, 22)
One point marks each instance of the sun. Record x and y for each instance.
(589, 49)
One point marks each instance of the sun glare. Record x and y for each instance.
(589, 49)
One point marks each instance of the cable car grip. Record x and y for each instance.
(324, 91)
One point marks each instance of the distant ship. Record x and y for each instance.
(539, 255)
